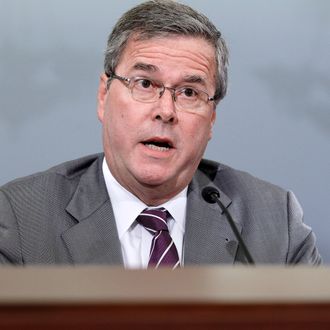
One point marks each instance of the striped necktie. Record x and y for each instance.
(163, 251)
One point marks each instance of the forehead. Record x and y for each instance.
(169, 56)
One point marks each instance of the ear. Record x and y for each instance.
(101, 96)
(213, 117)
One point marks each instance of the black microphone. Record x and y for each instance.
(212, 195)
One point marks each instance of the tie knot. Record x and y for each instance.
(154, 220)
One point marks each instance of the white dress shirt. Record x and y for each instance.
(134, 238)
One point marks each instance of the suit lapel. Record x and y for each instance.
(208, 236)
(94, 238)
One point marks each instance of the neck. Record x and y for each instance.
(149, 194)
(153, 195)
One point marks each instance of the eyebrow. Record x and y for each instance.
(145, 67)
(194, 79)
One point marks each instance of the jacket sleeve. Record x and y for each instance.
(10, 247)
(302, 241)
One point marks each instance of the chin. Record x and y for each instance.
(152, 181)
(152, 178)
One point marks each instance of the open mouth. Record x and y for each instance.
(159, 145)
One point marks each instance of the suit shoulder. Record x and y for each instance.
(225, 177)
(76, 167)
(67, 171)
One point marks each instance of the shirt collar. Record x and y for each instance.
(127, 207)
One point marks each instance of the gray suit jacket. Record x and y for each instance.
(64, 216)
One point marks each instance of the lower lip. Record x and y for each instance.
(157, 152)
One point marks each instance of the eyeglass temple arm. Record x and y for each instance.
(112, 75)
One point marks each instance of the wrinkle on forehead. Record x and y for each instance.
(153, 52)
(193, 54)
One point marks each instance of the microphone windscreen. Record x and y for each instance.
(210, 194)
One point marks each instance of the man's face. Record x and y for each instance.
(133, 131)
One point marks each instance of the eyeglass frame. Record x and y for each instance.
(127, 82)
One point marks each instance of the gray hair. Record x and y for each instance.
(162, 18)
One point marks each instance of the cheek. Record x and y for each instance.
(195, 137)
(198, 129)
(121, 122)
(121, 107)
(112, 122)
(115, 113)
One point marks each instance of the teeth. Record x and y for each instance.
(154, 147)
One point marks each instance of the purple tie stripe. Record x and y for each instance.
(163, 251)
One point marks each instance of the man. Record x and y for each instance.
(140, 203)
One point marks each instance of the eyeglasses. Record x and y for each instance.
(146, 90)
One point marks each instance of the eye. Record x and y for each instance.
(143, 83)
(189, 92)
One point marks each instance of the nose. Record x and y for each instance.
(165, 107)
